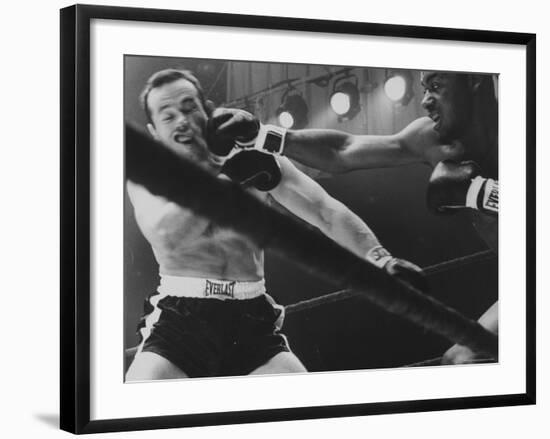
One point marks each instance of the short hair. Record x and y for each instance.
(167, 76)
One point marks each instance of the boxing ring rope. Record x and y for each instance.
(165, 174)
(429, 270)
(437, 361)
(347, 294)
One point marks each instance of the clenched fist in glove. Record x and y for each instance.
(228, 128)
(400, 268)
(458, 186)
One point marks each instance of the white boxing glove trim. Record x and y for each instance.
(379, 256)
(270, 139)
(490, 196)
(473, 192)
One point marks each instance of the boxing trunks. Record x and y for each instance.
(212, 328)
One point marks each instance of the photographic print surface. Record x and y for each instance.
(377, 211)
(372, 139)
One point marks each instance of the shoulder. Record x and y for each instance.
(421, 139)
(140, 195)
(148, 208)
(136, 192)
(422, 123)
(420, 134)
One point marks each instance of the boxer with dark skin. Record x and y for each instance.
(458, 139)
(211, 315)
(462, 125)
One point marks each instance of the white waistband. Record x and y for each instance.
(180, 286)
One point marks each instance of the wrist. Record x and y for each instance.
(483, 195)
(378, 256)
(270, 139)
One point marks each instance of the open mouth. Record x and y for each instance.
(437, 119)
(183, 139)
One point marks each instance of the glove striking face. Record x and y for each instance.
(227, 126)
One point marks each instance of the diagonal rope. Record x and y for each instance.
(225, 203)
(347, 293)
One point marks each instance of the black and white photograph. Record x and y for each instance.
(397, 167)
(277, 219)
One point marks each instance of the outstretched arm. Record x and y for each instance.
(329, 150)
(309, 201)
(336, 151)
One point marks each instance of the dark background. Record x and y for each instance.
(351, 334)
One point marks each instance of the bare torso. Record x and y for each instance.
(187, 245)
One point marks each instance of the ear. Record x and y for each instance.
(152, 131)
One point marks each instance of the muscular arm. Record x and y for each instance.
(337, 151)
(309, 201)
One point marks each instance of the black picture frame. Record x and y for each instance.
(76, 211)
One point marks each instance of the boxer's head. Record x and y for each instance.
(177, 113)
(448, 100)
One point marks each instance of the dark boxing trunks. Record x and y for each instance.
(207, 337)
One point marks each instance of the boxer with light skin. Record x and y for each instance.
(458, 139)
(211, 315)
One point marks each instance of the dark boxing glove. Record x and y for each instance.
(232, 127)
(403, 270)
(458, 186)
(253, 169)
(227, 126)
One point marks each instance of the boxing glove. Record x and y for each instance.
(456, 186)
(253, 169)
(400, 268)
(227, 126)
(230, 127)
(270, 140)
